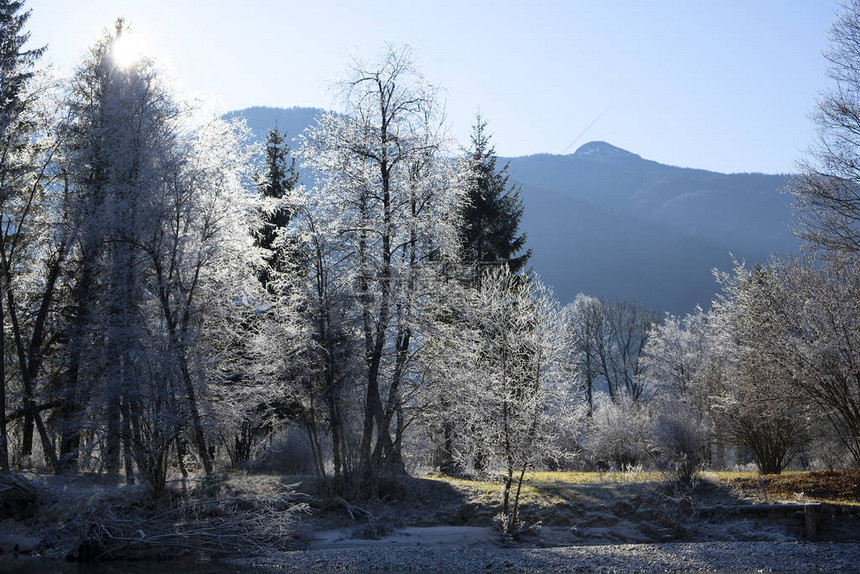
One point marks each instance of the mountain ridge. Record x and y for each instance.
(608, 222)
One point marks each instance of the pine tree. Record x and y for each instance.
(493, 209)
(16, 70)
(16, 67)
(276, 184)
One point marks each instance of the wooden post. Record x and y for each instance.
(810, 517)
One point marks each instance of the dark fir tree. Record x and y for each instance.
(276, 183)
(490, 232)
(489, 237)
(16, 69)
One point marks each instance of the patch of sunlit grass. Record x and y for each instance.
(571, 477)
(546, 487)
(842, 486)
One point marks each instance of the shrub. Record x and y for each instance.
(618, 432)
(680, 438)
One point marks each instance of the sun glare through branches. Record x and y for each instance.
(127, 49)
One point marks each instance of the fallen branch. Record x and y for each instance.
(217, 527)
(352, 509)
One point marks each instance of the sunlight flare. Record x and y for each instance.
(127, 50)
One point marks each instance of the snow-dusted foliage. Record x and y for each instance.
(757, 403)
(679, 439)
(163, 255)
(677, 356)
(618, 432)
(511, 401)
(380, 223)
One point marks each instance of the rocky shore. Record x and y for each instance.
(668, 557)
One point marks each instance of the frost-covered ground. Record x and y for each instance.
(611, 524)
(602, 527)
(618, 524)
(428, 553)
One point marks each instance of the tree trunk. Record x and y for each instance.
(29, 428)
(111, 449)
(196, 420)
(4, 436)
(128, 458)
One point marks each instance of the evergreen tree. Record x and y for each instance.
(276, 184)
(489, 232)
(16, 134)
(16, 68)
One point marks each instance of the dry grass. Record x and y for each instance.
(546, 489)
(593, 477)
(839, 486)
(552, 488)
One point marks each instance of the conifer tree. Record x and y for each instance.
(490, 230)
(16, 70)
(276, 184)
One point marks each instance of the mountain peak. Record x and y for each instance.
(601, 151)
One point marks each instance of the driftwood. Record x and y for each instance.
(210, 527)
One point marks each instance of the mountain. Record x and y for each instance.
(292, 121)
(606, 222)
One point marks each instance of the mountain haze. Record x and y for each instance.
(291, 121)
(606, 222)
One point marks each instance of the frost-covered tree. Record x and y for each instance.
(333, 352)
(608, 340)
(122, 153)
(680, 366)
(165, 247)
(620, 351)
(381, 167)
(33, 238)
(820, 322)
(586, 327)
(679, 439)
(201, 263)
(813, 334)
(277, 184)
(758, 404)
(827, 190)
(516, 348)
(617, 433)
(677, 356)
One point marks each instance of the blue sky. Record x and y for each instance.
(724, 85)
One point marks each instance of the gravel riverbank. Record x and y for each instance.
(669, 557)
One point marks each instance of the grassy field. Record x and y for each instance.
(839, 486)
(547, 487)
